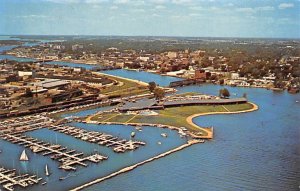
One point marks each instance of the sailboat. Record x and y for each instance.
(24, 156)
(47, 171)
(132, 134)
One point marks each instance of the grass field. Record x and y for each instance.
(175, 116)
(126, 88)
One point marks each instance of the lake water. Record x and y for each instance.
(71, 64)
(143, 76)
(251, 151)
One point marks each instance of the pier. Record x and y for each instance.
(118, 145)
(24, 124)
(132, 167)
(9, 179)
(67, 158)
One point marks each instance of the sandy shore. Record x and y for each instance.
(210, 131)
(129, 168)
(136, 81)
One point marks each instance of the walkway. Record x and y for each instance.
(210, 131)
(129, 168)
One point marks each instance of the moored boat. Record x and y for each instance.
(24, 156)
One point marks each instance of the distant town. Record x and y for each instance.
(243, 63)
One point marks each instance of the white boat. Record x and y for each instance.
(24, 156)
(132, 134)
(164, 134)
(47, 171)
(159, 142)
(44, 183)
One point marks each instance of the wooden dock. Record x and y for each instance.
(67, 158)
(24, 124)
(118, 145)
(9, 179)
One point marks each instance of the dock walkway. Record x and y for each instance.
(67, 158)
(118, 145)
(9, 179)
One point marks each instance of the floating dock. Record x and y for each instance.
(9, 179)
(24, 124)
(67, 158)
(118, 145)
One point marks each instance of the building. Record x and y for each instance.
(172, 55)
(22, 73)
(77, 47)
(235, 76)
(52, 84)
(200, 74)
(144, 58)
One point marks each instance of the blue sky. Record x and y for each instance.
(199, 18)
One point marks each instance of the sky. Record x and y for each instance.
(194, 18)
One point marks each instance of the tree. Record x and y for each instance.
(224, 93)
(159, 93)
(152, 86)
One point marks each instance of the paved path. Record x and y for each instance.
(210, 131)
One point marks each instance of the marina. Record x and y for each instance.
(67, 158)
(24, 124)
(118, 145)
(9, 179)
(240, 131)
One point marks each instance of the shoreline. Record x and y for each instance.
(189, 119)
(132, 167)
(132, 80)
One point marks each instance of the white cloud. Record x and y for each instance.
(159, 1)
(32, 16)
(78, 1)
(121, 1)
(246, 10)
(95, 1)
(285, 5)
(251, 10)
(181, 2)
(196, 8)
(194, 14)
(113, 7)
(139, 10)
(266, 8)
(155, 15)
(160, 7)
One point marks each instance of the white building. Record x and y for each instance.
(172, 54)
(235, 75)
(22, 73)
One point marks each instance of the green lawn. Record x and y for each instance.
(103, 117)
(238, 107)
(175, 116)
(121, 118)
(127, 88)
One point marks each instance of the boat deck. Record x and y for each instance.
(118, 145)
(9, 179)
(67, 158)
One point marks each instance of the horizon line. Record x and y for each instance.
(293, 38)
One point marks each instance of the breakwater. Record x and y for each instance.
(132, 167)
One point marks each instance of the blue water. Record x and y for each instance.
(19, 59)
(29, 42)
(251, 151)
(71, 64)
(143, 76)
(87, 112)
